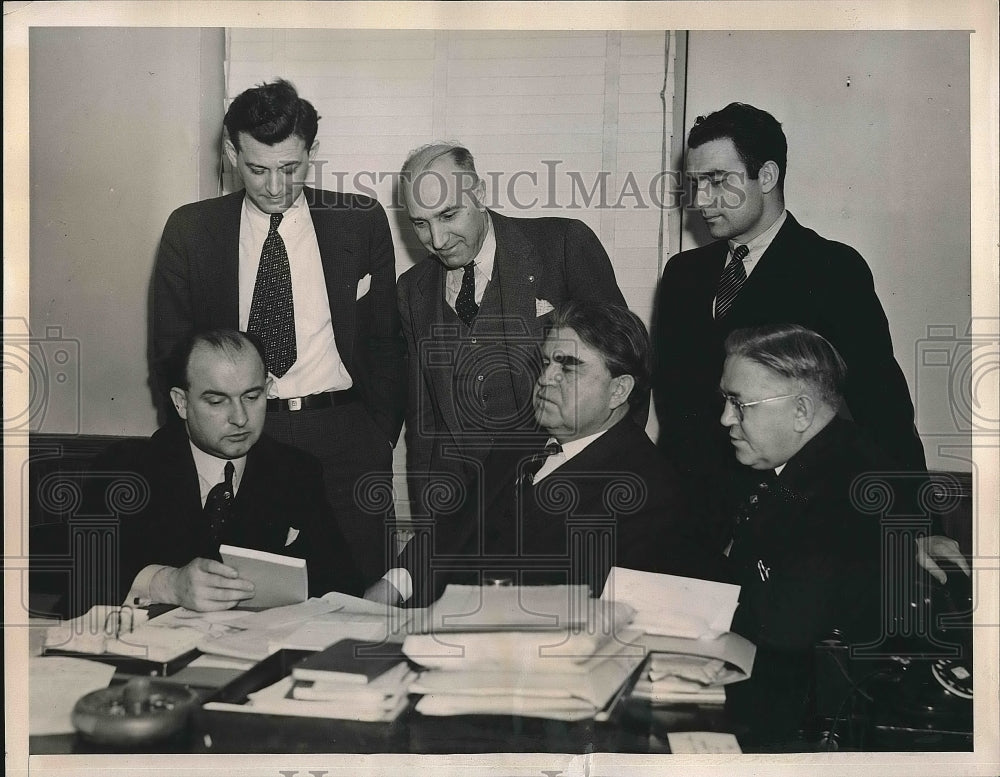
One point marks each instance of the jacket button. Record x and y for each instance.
(480, 378)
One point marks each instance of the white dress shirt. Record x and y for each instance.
(318, 366)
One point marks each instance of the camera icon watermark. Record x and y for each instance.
(481, 370)
(51, 367)
(959, 372)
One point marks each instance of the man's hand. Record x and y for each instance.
(202, 585)
(942, 549)
(383, 592)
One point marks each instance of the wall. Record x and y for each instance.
(881, 164)
(124, 127)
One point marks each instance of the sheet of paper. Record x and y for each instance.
(673, 605)
(465, 608)
(553, 709)
(55, 684)
(321, 633)
(738, 652)
(702, 742)
(283, 616)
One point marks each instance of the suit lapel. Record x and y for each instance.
(340, 270)
(518, 271)
(771, 273)
(222, 269)
(427, 312)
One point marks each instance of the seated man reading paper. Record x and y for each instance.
(214, 479)
(598, 495)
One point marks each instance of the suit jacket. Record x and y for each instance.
(552, 259)
(615, 503)
(281, 488)
(804, 279)
(195, 286)
(808, 562)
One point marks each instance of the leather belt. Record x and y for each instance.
(313, 401)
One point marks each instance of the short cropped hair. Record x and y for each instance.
(421, 158)
(229, 341)
(794, 352)
(616, 333)
(271, 113)
(756, 134)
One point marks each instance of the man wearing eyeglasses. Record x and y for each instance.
(806, 558)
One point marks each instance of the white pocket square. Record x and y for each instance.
(543, 306)
(363, 286)
(292, 534)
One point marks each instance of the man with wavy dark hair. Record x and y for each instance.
(312, 273)
(598, 495)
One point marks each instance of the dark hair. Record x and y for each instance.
(756, 134)
(270, 113)
(794, 352)
(226, 340)
(616, 333)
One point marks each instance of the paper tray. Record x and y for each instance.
(237, 732)
(132, 664)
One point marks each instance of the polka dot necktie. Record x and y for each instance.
(465, 305)
(219, 502)
(271, 312)
(732, 280)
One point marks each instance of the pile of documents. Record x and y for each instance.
(685, 627)
(549, 652)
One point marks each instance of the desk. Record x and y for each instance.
(633, 728)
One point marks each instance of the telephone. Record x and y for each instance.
(918, 695)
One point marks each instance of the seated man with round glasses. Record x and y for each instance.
(806, 558)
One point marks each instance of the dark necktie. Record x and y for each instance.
(534, 464)
(219, 502)
(271, 316)
(465, 305)
(732, 280)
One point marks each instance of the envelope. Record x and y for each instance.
(543, 306)
(364, 285)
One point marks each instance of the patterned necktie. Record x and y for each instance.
(534, 464)
(732, 280)
(219, 503)
(271, 316)
(465, 305)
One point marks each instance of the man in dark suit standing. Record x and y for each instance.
(764, 268)
(312, 273)
(598, 494)
(473, 314)
(215, 479)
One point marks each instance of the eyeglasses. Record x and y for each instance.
(740, 407)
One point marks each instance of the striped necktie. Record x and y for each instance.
(732, 280)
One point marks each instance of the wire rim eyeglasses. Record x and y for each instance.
(740, 407)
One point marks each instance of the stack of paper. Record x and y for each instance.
(547, 652)
(685, 624)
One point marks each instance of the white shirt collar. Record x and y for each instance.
(569, 450)
(211, 470)
(261, 219)
(759, 244)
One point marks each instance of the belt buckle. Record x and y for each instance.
(295, 403)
